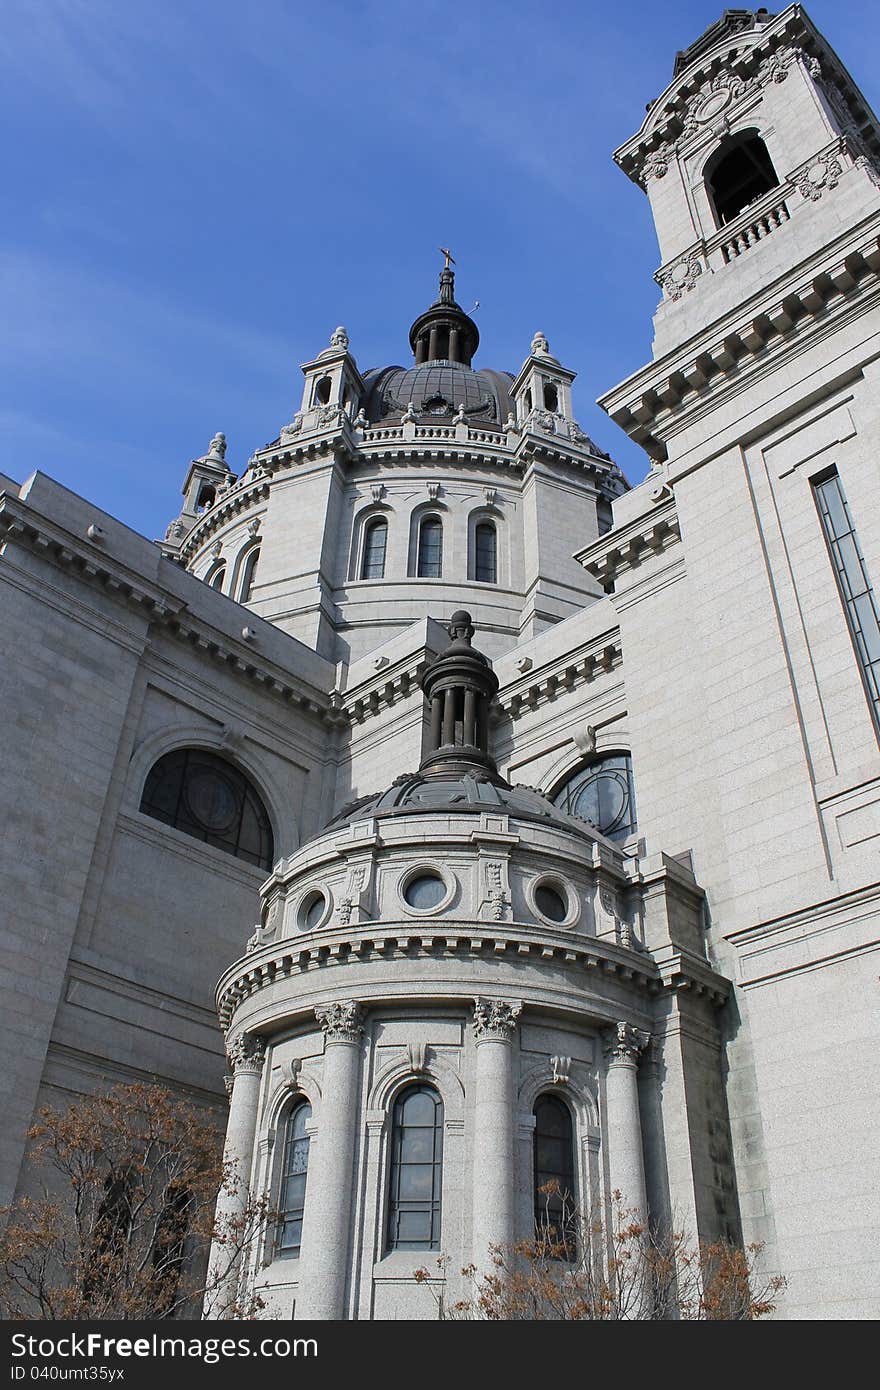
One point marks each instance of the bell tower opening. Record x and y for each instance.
(739, 173)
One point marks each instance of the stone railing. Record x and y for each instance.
(756, 229)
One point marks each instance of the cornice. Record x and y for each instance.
(593, 659)
(26, 526)
(626, 547)
(691, 378)
(291, 957)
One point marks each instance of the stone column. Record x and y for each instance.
(626, 1164)
(494, 1107)
(326, 1239)
(245, 1055)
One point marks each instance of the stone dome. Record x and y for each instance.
(439, 390)
(472, 792)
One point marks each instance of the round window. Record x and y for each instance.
(425, 891)
(312, 910)
(550, 902)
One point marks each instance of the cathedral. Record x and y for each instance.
(525, 823)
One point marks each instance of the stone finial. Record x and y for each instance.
(341, 1022)
(496, 1018)
(410, 413)
(540, 346)
(246, 1053)
(217, 447)
(339, 338)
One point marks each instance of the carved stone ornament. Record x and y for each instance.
(418, 1056)
(341, 1022)
(339, 338)
(812, 180)
(378, 491)
(496, 1018)
(560, 1068)
(490, 494)
(175, 531)
(656, 166)
(228, 1083)
(216, 548)
(254, 527)
(680, 278)
(246, 1053)
(540, 346)
(433, 491)
(328, 414)
(293, 428)
(625, 1044)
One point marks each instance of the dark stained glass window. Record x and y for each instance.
(294, 1171)
(554, 1174)
(206, 797)
(416, 1170)
(856, 591)
(375, 543)
(603, 794)
(430, 556)
(485, 553)
(249, 575)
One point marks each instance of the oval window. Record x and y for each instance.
(551, 903)
(425, 891)
(312, 910)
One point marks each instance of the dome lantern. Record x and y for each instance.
(459, 687)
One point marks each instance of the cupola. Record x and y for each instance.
(444, 333)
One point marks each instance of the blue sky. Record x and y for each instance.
(198, 191)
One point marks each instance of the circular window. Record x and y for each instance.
(550, 902)
(312, 910)
(424, 891)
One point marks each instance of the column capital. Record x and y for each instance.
(341, 1022)
(624, 1044)
(246, 1053)
(496, 1018)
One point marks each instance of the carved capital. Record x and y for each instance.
(341, 1022)
(496, 1018)
(246, 1053)
(625, 1044)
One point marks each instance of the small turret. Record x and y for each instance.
(459, 687)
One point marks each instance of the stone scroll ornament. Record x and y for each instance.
(246, 1053)
(624, 1043)
(341, 1022)
(496, 1018)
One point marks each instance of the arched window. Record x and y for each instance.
(375, 543)
(206, 797)
(292, 1190)
(555, 1212)
(416, 1170)
(429, 563)
(740, 173)
(551, 396)
(217, 576)
(486, 553)
(249, 575)
(206, 498)
(603, 793)
(322, 390)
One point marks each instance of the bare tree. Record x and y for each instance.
(126, 1215)
(582, 1267)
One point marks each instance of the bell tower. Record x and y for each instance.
(750, 158)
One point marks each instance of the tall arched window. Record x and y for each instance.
(416, 1170)
(206, 797)
(294, 1171)
(430, 552)
(217, 576)
(555, 1213)
(740, 173)
(602, 793)
(375, 544)
(249, 575)
(486, 553)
